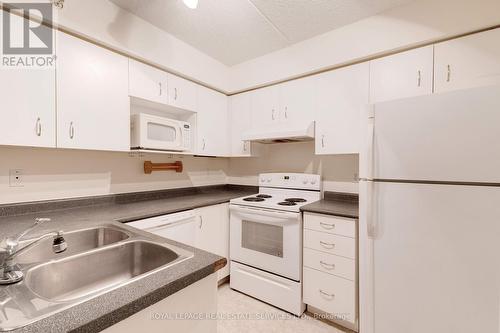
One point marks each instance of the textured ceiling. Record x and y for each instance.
(233, 31)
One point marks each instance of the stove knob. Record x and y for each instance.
(268, 180)
(262, 180)
(304, 181)
(313, 181)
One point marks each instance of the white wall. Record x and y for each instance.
(60, 173)
(410, 25)
(338, 172)
(104, 22)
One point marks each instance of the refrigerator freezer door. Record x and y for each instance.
(433, 264)
(442, 137)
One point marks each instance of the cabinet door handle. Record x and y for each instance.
(38, 127)
(204, 144)
(272, 114)
(326, 294)
(161, 90)
(175, 94)
(327, 245)
(327, 265)
(419, 78)
(71, 130)
(245, 146)
(201, 222)
(328, 226)
(286, 112)
(323, 141)
(448, 74)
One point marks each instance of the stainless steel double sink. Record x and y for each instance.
(97, 260)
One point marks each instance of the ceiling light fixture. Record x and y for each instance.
(191, 3)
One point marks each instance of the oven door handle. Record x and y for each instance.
(265, 216)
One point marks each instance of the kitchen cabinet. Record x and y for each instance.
(181, 93)
(467, 62)
(212, 123)
(212, 232)
(330, 267)
(147, 82)
(28, 98)
(340, 97)
(402, 75)
(93, 109)
(296, 101)
(282, 104)
(239, 122)
(28, 107)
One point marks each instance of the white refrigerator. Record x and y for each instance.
(430, 214)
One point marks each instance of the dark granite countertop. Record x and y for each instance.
(107, 309)
(334, 203)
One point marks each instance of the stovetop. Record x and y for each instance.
(288, 200)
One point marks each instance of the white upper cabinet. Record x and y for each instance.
(264, 107)
(296, 100)
(402, 75)
(93, 109)
(181, 93)
(28, 105)
(212, 123)
(147, 82)
(341, 96)
(240, 122)
(467, 62)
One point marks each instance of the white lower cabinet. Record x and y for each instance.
(93, 108)
(212, 232)
(330, 282)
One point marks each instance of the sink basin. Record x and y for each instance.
(87, 273)
(78, 241)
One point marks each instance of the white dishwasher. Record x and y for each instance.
(180, 227)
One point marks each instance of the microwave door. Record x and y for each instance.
(163, 135)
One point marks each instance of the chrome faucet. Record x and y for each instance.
(10, 272)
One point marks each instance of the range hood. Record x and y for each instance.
(276, 134)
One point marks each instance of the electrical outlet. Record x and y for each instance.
(16, 178)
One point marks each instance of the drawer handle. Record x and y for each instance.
(327, 226)
(326, 294)
(327, 245)
(327, 265)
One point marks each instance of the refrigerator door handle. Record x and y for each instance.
(371, 220)
(369, 148)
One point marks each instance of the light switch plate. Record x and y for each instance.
(16, 178)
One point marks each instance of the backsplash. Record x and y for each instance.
(56, 174)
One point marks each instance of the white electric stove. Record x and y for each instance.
(266, 239)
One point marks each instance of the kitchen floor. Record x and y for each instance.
(239, 313)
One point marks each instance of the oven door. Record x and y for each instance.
(267, 239)
(161, 133)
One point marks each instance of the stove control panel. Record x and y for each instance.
(291, 180)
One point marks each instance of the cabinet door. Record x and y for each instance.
(296, 100)
(28, 104)
(93, 110)
(264, 107)
(147, 82)
(402, 75)
(181, 93)
(239, 115)
(28, 107)
(467, 62)
(212, 123)
(340, 98)
(212, 233)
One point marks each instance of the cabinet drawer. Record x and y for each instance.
(331, 264)
(330, 224)
(331, 294)
(333, 244)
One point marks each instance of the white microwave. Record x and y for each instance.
(159, 133)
